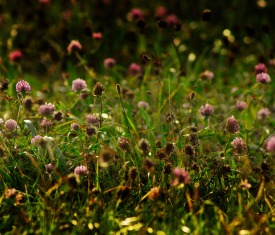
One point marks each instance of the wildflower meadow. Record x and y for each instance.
(137, 117)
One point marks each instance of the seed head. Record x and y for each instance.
(90, 130)
(133, 173)
(118, 89)
(28, 104)
(148, 165)
(124, 144)
(169, 148)
(154, 193)
(106, 157)
(144, 145)
(23, 87)
(189, 150)
(98, 89)
(232, 125)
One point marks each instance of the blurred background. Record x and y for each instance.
(42, 30)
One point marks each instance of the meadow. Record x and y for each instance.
(137, 118)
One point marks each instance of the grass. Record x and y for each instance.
(152, 162)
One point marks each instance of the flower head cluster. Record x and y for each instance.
(134, 69)
(239, 146)
(135, 14)
(10, 125)
(143, 104)
(80, 170)
(263, 113)
(97, 35)
(240, 105)
(92, 119)
(98, 89)
(38, 140)
(22, 87)
(79, 85)
(207, 75)
(263, 78)
(74, 46)
(15, 56)
(75, 126)
(109, 63)
(270, 144)
(260, 68)
(232, 125)
(181, 176)
(46, 109)
(206, 110)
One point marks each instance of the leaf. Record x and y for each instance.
(31, 127)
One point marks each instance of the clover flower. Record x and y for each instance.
(134, 69)
(79, 85)
(232, 125)
(109, 63)
(74, 46)
(240, 105)
(15, 56)
(46, 109)
(260, 68)
(206, 110)
(181, 176)
(270, 144)
(239, 146)
(10, 125)
(22, 87)
(263, 113)
(80, 170)
(263, 78)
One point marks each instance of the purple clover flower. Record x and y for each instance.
(263, 78)
(240, 105)
(260, 68)
(270, 144)
(181, 176)
(79, 85)
(206, 110)
(46, 109)
(22, 87)
(80, 170)
(10, 125)
(109, 63)
(263, 113)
